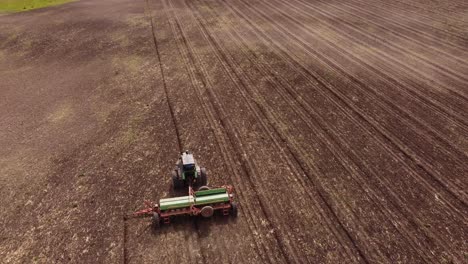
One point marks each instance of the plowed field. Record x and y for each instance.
(342, 125)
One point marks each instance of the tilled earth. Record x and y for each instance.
(342, 125)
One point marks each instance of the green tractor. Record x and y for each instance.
(188, 173)
(203, 202)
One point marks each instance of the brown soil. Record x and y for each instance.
(341, 124)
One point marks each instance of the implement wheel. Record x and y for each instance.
(207, 211)
(156, 221)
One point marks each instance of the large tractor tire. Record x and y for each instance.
(156, 221)
(176, 182)
(233, 212)
(203, 177)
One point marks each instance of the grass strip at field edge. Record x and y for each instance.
(12, 6)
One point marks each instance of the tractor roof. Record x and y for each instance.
(187, 158)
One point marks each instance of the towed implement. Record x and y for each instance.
(203, 202)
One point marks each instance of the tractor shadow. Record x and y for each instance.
(175, 193)
(179, 192)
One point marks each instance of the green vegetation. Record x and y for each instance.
(24, 5)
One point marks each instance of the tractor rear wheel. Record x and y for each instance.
(176, 182)
(203, 177)
(156, 221)
(234, 209)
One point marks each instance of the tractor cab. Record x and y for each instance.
(187, 172)
(189, 168)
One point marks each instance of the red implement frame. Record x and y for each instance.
(152, 208)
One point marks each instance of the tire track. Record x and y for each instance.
(418, 95)
(325, 140)
(166, 93)
(428, 167)
(171, 110)
(389, 29)
(198, 82)
(446, 141)
(425, 26)
(193, 58)
(125, 234)
(252, 95)
(283, 138)
(229, 68)
(372, 17)
(372, 37)
(388, 79)
(149, 16)
(318, 79)
(220, 124)
(429, 18)
(431, 10)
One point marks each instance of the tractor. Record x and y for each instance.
(203, 202)
(188, 173)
